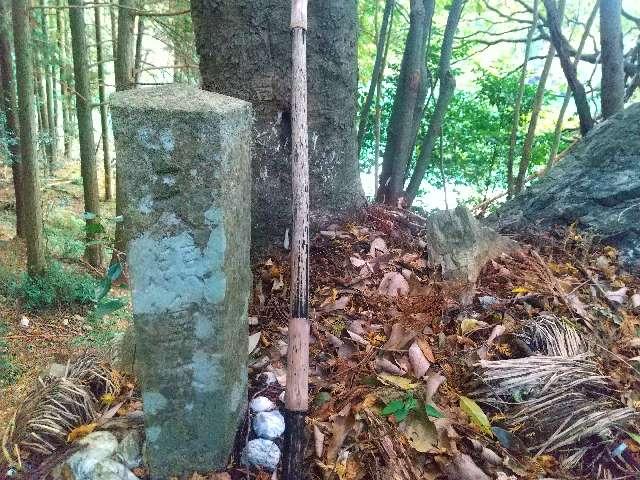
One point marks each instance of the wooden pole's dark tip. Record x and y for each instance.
(294, 445)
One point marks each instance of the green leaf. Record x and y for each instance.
(114, 272)
(401, 414)
(392, 407)
(432, 411)
(476, 415)
(635, 437)
(94, 228)
(108, 306)
(105, 286)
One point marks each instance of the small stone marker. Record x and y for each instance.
(183, 161)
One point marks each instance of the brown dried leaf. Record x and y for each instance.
(393, 284)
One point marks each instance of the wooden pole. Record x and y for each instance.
(297, 391)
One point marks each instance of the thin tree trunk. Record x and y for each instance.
(104, 124)
(297, 392)
(527, 148)
(518, 105)
(562, 47)
(93, 250)
(8, 105)
(113, 17)
(123, 69)
(407, 105)
(612, 95)
(447, 87)
(377, 69)
(63, 77)
(36, 262)
(138, 58)
(567, 96)
(47, 73)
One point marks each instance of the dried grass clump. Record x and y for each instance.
(57, 405)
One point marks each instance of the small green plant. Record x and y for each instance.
(57, 286)
(401, 408)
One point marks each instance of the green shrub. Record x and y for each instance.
(9, 371)
(58, 286)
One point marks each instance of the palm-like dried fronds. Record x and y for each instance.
(550, 335)
(58, 405)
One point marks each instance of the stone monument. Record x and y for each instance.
(183, 164)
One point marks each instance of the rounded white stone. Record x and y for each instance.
(268, 425)
(261, 453)
(261, 404)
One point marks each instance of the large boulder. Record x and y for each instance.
(597, 185)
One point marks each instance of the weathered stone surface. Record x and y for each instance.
(94, 448)
(261, 453)
(183, 158)
(596, 185)
(460, 245)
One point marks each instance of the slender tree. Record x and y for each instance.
(48, 76)
(65, 79)
(36, 262)
(137, 64)
(568, 67)
(297, 394)
(407, 106)
(447, 87)
(527, 148)
(377, 69)
(613, 90)
(104, 124)
(93, 250)
(567, 96)
(518, 105)
(8, 106)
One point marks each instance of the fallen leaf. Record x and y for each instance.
(395, 380)
(520, 290)
(475, 414)
(419, 363)
(399, 337)
(81, 431)
(470, 325)
(343, 421)
(340, 304)
(388, 366)
(378, 247)
(617, 296)
(107, 399)
(433, 382)
(421, 434)
(254, 339)
(426, 349)
(393, 284)
(432, 411)
(357, 262)
(318, 441)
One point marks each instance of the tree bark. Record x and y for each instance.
(377, 70)
(527, 148)
(567, 96)
(8, 106)
(36, 262)
(104, 123)
(518, 105)
(407, 105)
(612, 94)
(64, 80)
(447, 88)
(123, 70)
(260, 31)
(113, 18)
(562, 47)
(48, 75)
(93, 250)
(138, 57)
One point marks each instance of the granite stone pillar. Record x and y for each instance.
(183, 166)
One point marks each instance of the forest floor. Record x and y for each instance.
(536, 375)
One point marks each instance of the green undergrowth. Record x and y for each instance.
(65, 235)
(9, 369)
(59, 286)
(104, 329)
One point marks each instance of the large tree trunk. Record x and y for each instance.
(378, 67)
(8, 106)
(612, 57)
(447, 87)
(254, 66)
(568, 67)
(93, 250)
(407, 105)
(104, 124)
(36, 262)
